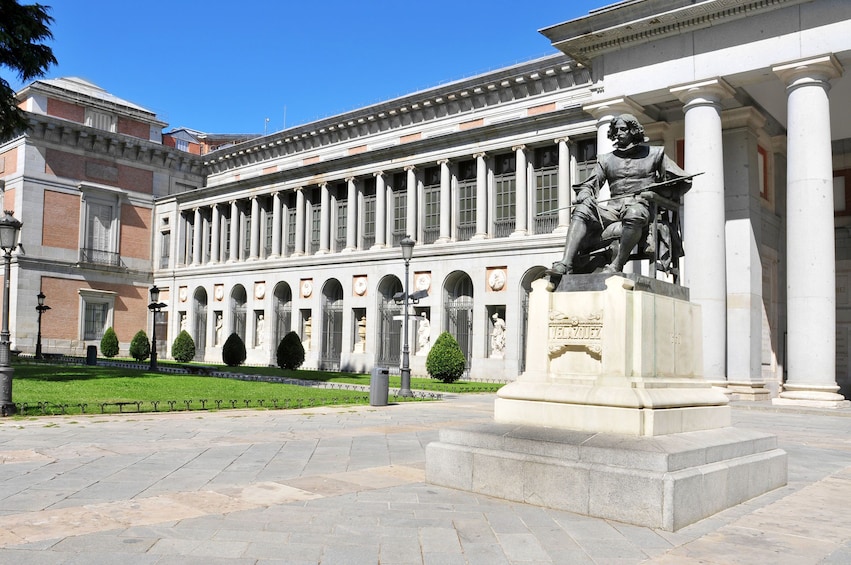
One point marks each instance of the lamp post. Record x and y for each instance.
(41, 308)
(10, 228)
(407, 245)
(155, 306)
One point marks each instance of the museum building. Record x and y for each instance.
(300, 229)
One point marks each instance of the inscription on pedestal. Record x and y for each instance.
(578, 331)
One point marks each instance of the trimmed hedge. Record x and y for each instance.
(109, 343)
(233, 351)
(290, 354)
(140, 347)
(183, 348)
(445, 361)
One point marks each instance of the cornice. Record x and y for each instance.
(627, 24)
(453, 100)
(67, 134)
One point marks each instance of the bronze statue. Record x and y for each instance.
(632, 169)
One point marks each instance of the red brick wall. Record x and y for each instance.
(66, 110)
(100, 171)
(134, 128)
(61, 220)
(135, 232)
(130, 313)
(9, 162)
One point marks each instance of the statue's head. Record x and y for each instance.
(635, 128)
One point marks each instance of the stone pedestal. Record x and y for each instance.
(612, 417)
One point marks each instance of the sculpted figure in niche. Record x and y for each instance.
(632, 168)
(258, 331)
(308, 329)
(498, 337)
(219, 325)
(423, 334)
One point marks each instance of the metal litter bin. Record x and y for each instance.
(92, 355)
(379, 386)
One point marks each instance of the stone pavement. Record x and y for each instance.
(341, 486)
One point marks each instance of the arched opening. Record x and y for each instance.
(238, 301)
(332, 326)
(389, 343)
(283, 305)
(531, 275)
(199, 306)
(458, 308)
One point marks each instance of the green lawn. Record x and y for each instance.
(54, 389)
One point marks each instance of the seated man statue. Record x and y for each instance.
(632, 168)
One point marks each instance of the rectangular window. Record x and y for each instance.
(96, 318)
(586, 159)
(466, 216)
(291, 230)
(100, 120)
(546, 189)
(762, 165)
(165, 249)
(505, 194)
(431, 205)
(246, 235)
(226, 235)
(842, 192)
(315, 227)
(368, 214)
(400, 207)
(269, 221)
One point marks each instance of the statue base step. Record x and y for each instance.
(665, 482)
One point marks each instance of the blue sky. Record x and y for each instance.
(225, 67)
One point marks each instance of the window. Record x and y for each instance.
(505, 192)
(400, 207)
(291, 213)
(586, 159)
(268, 231)
(181, 144)
(762, 165)
(546, 189)
(96, 308)
(368, 214)
(99, 237)
(315, 227)
(466, 227)
(431, 205)
(100, 120)
(842, 192)
(165, 249)
(246, 236)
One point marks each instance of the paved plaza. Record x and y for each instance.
(341, 486)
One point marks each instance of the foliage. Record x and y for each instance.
(183, 348)
(290, 354)
(445, 361)
(233, 351)
(109, 343)
(140, 346)
(22, 30)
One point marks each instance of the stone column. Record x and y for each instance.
(521, 192)
(351, 215)
(411, 202)
(380, 211)
(811, 259)
(254, 245)
(704, 218)
(445, 202)
(234, 231)
(563, 185)
(324, 219)
(481, 196)
(215, 237)
(196, 236)
(744, 267)
(299, 221)
(276, 224)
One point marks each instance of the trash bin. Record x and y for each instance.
(92, 355)
(379, 386)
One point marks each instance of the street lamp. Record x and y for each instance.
(407, 245)
(10, 228)
(41, 310)
(155, 306)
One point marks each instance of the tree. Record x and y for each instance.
(290, 354)
(140, 346)
(233, 351)
(109, 343)
(183, 348)
(445, 361)
(22, 30)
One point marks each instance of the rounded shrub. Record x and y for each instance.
(109, 343)
(290, 354)
(183, 348)
(233, 351)
(140, 347)
(445, 361)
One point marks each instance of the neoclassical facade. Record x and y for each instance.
(299, 230)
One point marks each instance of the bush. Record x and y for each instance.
(183, 348)
(140, 347)
(233, 351)
(109, 343)
(445, 361)
(290, 352)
